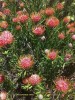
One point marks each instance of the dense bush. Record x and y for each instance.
(37, 42)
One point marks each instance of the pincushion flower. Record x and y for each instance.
(25, 80)
(4, 24)
(61, 36)
(52, 55)
(6, 11)
(23, 18)
(35, 17)
(52, 22)
(49, 11)
(34, 79)
(66, 19)
(38, 30)
(68, 57)
(2, 41)
(21, 4)
(18, 27)
(26, 62)
(59, 6)
(62, 84)
(7, 36)
(70, 25)
(71, 30)
(1, 14)
(15, 19)
(19, 12)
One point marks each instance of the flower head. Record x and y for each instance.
(62, 84)
(59, 6)
(26, 62)
(61, 36)
(52, 22)
(38, 30)
(52, 55)
(34, 79)
(36, 17)
(49, 11)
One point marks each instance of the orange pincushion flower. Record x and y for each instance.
(1, 14)
(61, 36)
(19, 12)
(52, 55)
(25, 80)
(21, 4)
(18, 27)
(36, 17)
(62, 84)
(26, 62)
(49, 11)
(70, 25)
(66, 19)
(38, 30)
(52, 22)
(4, 24)
(72, 30)
(59, 6)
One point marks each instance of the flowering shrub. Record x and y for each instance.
(37, 42)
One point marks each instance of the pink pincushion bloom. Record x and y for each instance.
(34, 79)
(52, 55)
(6, 11)
(59, 6)
(39, 30)
(36, 17)
(61, 36)
(2, 42)
(23, 18)
(62, 84)
(52, 22)
(49, 11)
(26, 62)
(7, 36)
(15, 20)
